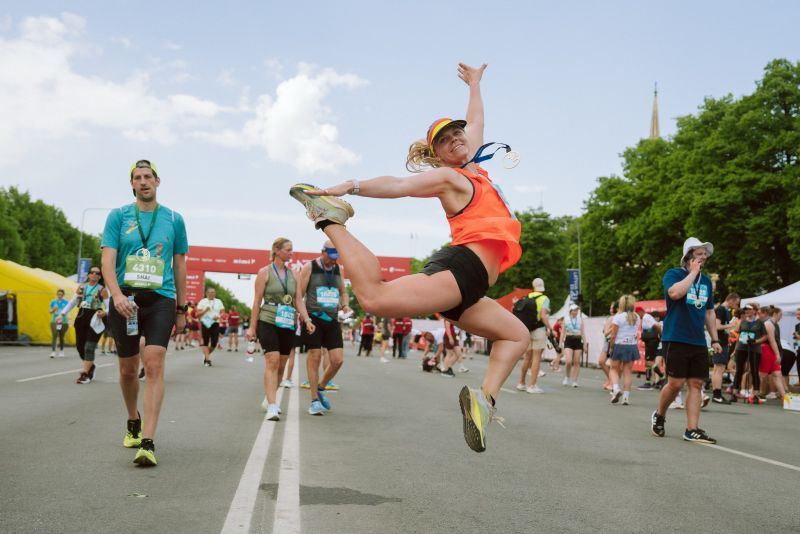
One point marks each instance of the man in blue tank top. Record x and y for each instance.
(323, 294)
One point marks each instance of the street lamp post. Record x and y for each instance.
(80, 237)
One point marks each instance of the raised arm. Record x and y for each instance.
(474, 130)
(428, 184)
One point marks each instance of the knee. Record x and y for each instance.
(128, 373)
(272, 363)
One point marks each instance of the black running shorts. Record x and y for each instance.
(156, 318)
(686, 361)
(573, 342)
(326, 334)
(469, 272)
(274, 339)
(210, 335)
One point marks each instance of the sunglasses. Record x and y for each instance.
(94, 272)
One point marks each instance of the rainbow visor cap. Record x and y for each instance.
(437, 127)
(144, 164)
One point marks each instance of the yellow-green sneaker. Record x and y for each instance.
(321, 208)
(146, 455)
(478, 413)
(133, 436)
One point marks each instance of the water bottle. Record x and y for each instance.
(132, 323)
(59, 322)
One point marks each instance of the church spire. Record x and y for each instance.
(654, 130)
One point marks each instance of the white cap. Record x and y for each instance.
(693, 243)
(574, 307)
(538, 284)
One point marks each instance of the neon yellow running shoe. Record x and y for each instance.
(478, 413)
(146, 455)
(133, 436)
(321, 208)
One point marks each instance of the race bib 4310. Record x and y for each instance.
(144, 273)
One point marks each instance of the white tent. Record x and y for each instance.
(787, 299)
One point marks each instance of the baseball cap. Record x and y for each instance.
(574, 307)
(439, 125)
(538, 284)
(332, 253)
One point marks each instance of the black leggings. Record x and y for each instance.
(85, 337)
(788, 359)
(743, 356)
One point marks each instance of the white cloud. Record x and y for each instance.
(123, 41)
(295, 127)
(226, 79)
(42, 97)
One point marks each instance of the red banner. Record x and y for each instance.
(195, 280)
(249, 261)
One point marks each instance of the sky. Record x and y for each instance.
(236, 101)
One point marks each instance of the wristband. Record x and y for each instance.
(714, 341)
(182, 309)
(356, 187)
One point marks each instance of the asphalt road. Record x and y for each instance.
(389, 458)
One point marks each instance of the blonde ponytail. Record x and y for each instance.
(627, 305)
(420, 156)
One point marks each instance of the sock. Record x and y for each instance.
(615, 388)
(717, 393)
(678, 399)
(322, 224)
(648, 375)
(626, 395)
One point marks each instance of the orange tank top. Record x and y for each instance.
(487, 218)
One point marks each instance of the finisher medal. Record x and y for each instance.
(143, 253)
(287, 299)
(511, 159)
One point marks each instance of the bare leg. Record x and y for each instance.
(536, 364)
(693, 402)
(627, 376)
(668, 394)
(450, 358)
(716, 376)
(568, 353)
(525, 367)
(129, 384)
(603, 367)
(153, 358)
(271, 361)
(576, 364)
(336, 358)
(510, 338)
(312, 368)
(614, 371)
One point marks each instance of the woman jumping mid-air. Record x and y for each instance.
(485, 242)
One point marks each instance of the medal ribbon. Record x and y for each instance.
(479, 157)
(150, 231)
(285, 281)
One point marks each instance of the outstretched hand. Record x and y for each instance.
(333, 191)
(470, 75)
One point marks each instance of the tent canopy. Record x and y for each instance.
(34, 289)
(787, 299)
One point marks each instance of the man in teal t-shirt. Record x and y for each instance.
(144, 258)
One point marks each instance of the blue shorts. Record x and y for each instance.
(625, 353)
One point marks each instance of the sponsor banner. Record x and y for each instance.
(249, 261)
(195, 280)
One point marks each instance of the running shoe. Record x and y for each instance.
(771, 395)
(316, 408)
(61, 354)
(720, 400)
(53, 354)
(647, 386)
(521, 387)
(705, 401)
(625, 401)
(542, 373)
(384, 360)
(207, 363)
(449, 373)
(133, 435)
(305, 384)
(83, 379)
(92, 369)
(478, 414)
(146, 455)
(575, 384)
(332, 387)
(323, 399)
(249, 359)
(565, 382)
(698, 435)
(265, 405)
(463, 369)
(285, 384)
(616, 396)
(755, 399)
(321, 208)
(676, 405)
(657, 425)
(534, 389)
(272, 413)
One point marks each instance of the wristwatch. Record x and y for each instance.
(356, 187)
(180, 310)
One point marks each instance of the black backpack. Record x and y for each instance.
(525, 310)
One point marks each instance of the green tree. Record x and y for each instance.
(227, 298)
(12, 247)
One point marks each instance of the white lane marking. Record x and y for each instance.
(754, 457)
(287, 505)
(241, 511)
(508, 390)
(61, 373)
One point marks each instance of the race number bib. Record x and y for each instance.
(284, 317)
(745, 337)
(697, 297)
(144, 273)
(328, 297)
